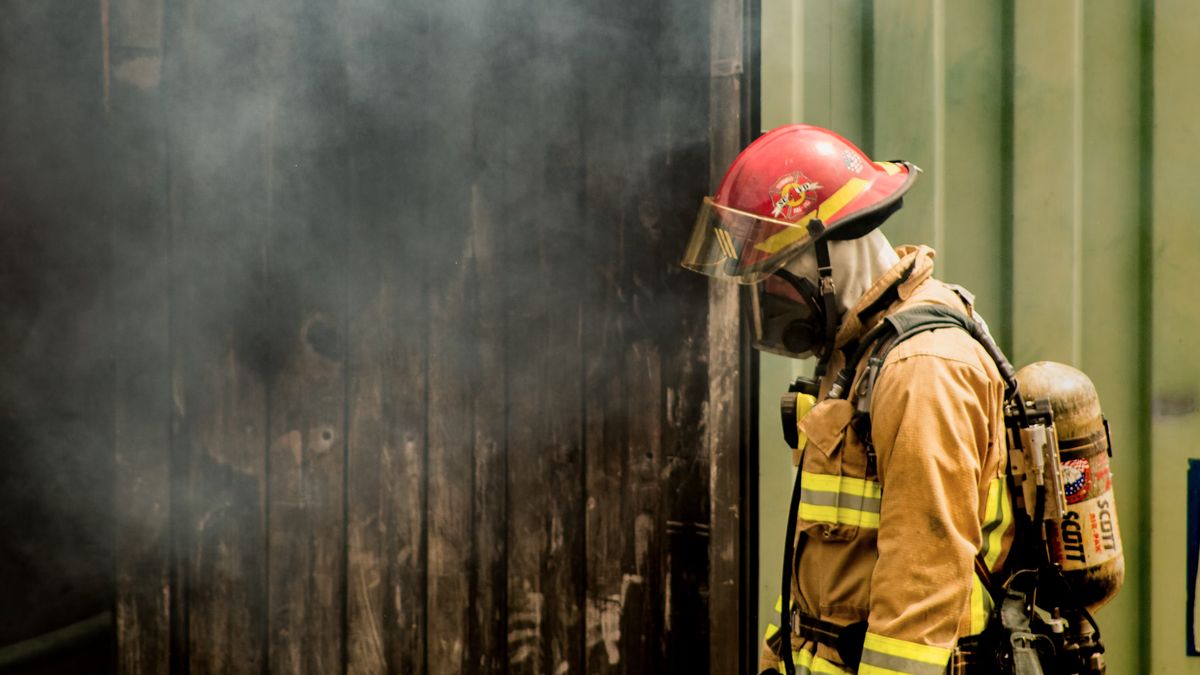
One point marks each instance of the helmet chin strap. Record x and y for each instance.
(827, 289)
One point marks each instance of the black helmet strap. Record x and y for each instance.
(825, 286)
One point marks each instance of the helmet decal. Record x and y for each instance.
(793, 196)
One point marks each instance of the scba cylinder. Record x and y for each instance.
(1086, 542)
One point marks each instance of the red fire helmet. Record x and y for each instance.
(760, 217)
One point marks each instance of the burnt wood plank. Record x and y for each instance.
(528, 536)
(724, 421)
(451, 473)
(489, 267)
(562, 250)
(679, 166)
(308, 175)
(140, 279)
(453, 345)
(647, 490)
(488, 600)
(607, 154)
(219, 396)
(387, 341)
(545, 391)
(644, 559)
(371, 455)
(489, 604)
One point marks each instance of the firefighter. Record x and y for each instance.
(903, 509)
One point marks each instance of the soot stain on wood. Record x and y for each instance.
(324, 338)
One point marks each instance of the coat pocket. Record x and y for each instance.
(836, 496)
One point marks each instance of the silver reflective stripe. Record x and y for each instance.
(850, 501)
(900, 664)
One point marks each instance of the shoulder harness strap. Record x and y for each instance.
(882, 339)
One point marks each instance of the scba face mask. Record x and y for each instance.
(789, 319)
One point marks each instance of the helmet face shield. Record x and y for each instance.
(730, 244)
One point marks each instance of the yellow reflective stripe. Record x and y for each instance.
(786, 237)
(839, 499)
(826, 210)
(726, 243)
(809, 664)
(884, 655)
(855, 487)
(779, 604)
(998, 519)
(804, 405)
(905, 649)
(981, 606)
(891, 168)
(772, 629)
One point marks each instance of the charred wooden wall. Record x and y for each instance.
(407, 377)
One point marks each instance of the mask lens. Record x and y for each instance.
(785, 325)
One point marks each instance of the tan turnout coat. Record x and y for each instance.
(896, 546)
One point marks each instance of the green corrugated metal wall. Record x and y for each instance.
(1056, 138)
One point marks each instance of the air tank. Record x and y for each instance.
(1086, 541)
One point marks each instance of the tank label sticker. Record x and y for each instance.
(1088, 535)
(1086, 477)
(1076, 474)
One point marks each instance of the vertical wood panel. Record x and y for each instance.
(488, 254)
(385, 595)
(608, 151)
(679, 167)
(405, 613)
(307, 179)
(141, 299)
(219, 393)
(639, 360)
(488, 602)
(545, 402)
(453, 343)
(561, 240)
(724, 442)
(526, 539)
(1046, 182)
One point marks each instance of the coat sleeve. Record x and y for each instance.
(930, 430)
